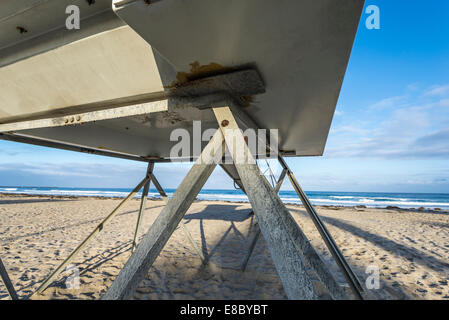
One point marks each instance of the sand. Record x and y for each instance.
(410, 249)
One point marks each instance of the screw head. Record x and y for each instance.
(224, 123)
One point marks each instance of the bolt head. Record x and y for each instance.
(224, 123)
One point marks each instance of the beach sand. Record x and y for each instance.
(410, 248)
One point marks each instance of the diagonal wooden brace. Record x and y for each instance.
(350, 276)
(270, 212)
(157, 236)
(308, 252)
(100, 227)
(8, 284)
(348, 273)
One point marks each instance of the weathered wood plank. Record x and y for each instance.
(8, 284)
(350, 276)
(248, 122)
(270, 212)
(157, 236)
(198, 93)
(86, 241)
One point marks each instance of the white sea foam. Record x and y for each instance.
(371, 203)
(343, 197)
(316, 199)
(225, 197)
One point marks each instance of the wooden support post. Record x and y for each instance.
(143, 203)
(248, 122)
(270, 212)
(184, 228)
(157, 236)
(100, 227)
(350, 276)
(309, 254)
(8, 284)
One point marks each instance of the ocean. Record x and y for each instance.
(368, 199)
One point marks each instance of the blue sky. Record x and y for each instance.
(390, 132)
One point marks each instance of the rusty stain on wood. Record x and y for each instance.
(198, 71)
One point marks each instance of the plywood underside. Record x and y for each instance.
(300, 48)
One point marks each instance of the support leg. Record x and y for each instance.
(248, 122)
(309, 254)
(351, 278)
(157, 236)
(143, 203)
(8, 284)
(270, 212)
(61, 267)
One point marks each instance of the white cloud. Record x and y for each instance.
(415, 128)
(352, 129)
(390, 102)
(440, 90)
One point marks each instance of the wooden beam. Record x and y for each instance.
(8, 284)
(270, 212)
(350, 276)
(80, 118)
(100, 227)
(303, 245)
(157, 236)
(199, 93)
